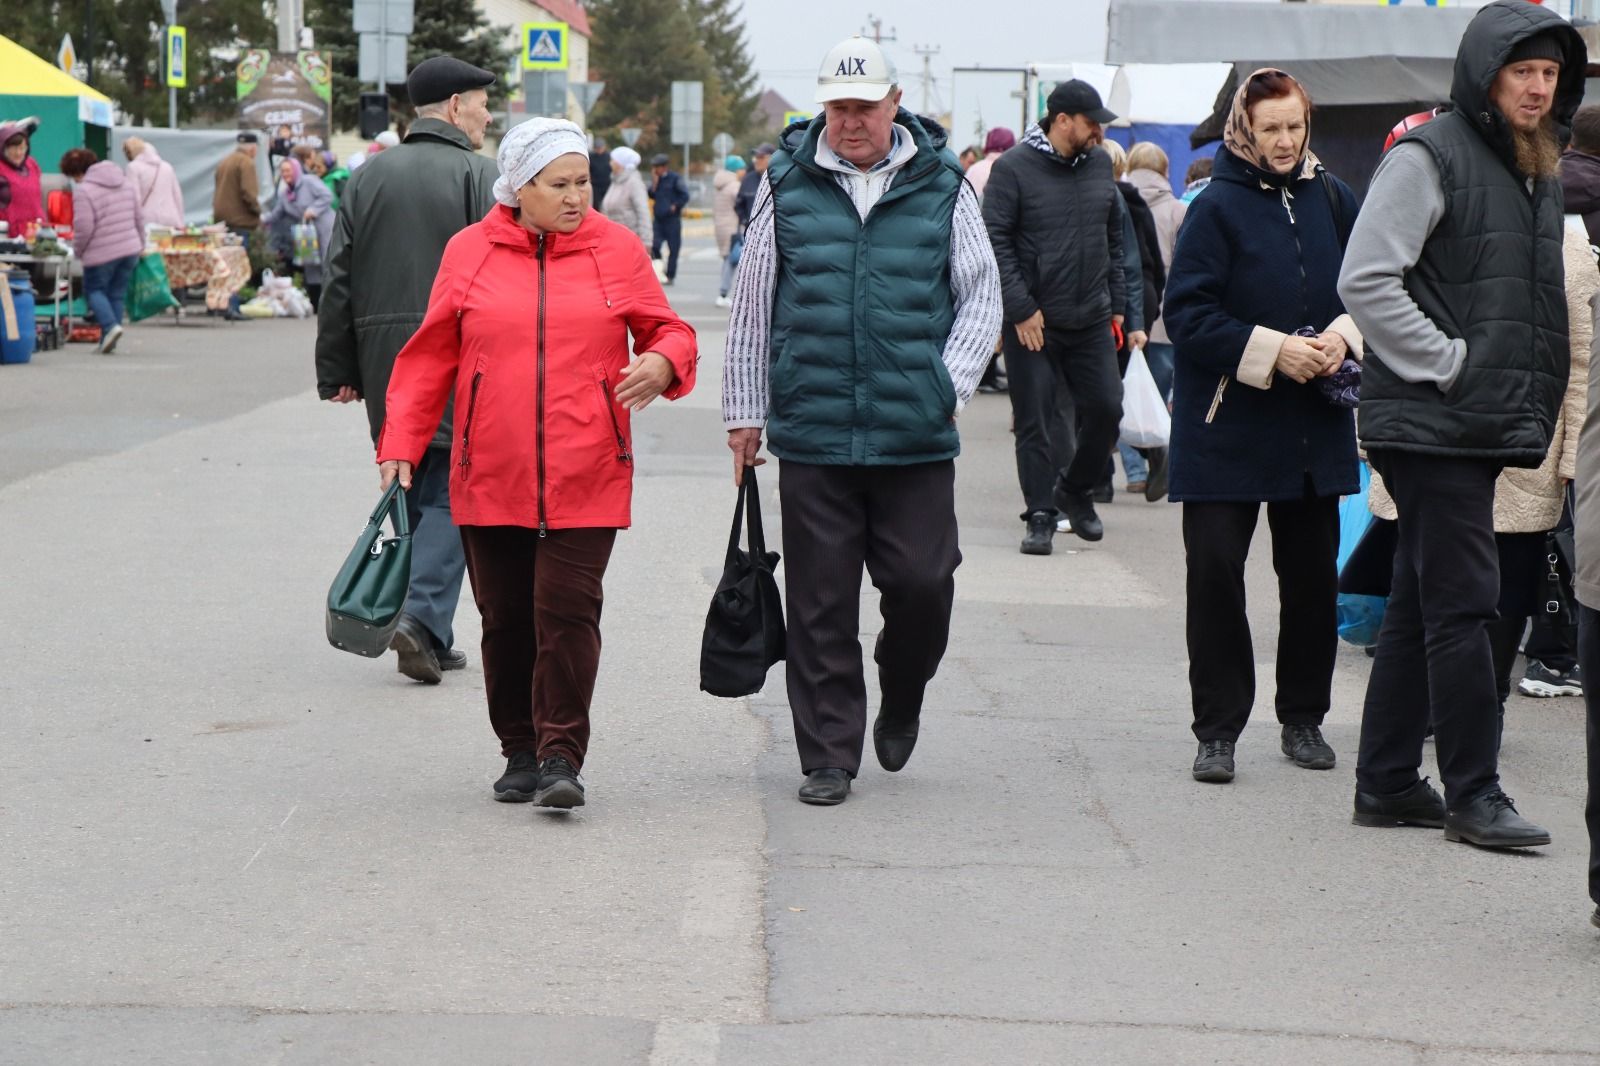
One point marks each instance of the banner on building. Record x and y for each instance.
(293, 89)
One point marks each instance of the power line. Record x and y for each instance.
(877, 30)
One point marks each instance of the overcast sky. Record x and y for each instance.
(789, 39)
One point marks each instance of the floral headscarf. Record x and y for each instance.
(1240, 137)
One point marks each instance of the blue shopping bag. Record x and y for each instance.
(1360, 617)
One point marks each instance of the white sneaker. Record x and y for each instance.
(1063, 525)
(108, 343)
(723, 301)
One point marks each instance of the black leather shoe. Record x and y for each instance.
(1214, 762)
(1594, 919)
(893, 738)
(521, 779)
(1492, 821)
(452, 659)
(558, 785)
(1079, 509)
(1155, 483)
(825, 787)
(412, 643)
(1304, 744)
(1041, 534)
(1420, 804)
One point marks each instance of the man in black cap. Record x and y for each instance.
(1456, 276)
(671, 195)
(750, 184)
(397, 213)
(1052, 211)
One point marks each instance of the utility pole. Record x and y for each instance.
(927, 53)
(877, 30)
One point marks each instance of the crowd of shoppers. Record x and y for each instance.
(1454, 307)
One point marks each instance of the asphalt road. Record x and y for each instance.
(223, 842)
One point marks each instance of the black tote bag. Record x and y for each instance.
(744, 632)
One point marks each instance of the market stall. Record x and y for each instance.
(71, 115)
(206, 257)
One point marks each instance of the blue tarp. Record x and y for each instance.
(1174, 140)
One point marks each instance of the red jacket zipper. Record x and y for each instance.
(543, 526)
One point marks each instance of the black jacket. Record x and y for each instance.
(745, 202)
(671, 195)
(1492, 273)
(1056, 231)
(1580, 187)
(1155, 273)
(599, 177)
(397, 213)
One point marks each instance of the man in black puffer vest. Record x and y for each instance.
(1455, 275)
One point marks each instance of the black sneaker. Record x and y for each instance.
(1214, 762)
(1420, 804)
(1304, 744)
(1041, 534)
(1103, 493)
(521, 779)
(1492, 821)
(1542, 682)
(1594, 919)
(1079, 509)
(558, 784)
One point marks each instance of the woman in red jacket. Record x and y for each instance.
(529, 321)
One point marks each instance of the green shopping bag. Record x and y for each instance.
(365, 600)
(149, 292)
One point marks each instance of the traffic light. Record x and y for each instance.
(374, 114)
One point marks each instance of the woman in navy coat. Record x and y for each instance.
(1254, 313)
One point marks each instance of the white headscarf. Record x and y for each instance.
(531, 146)
(625, 157)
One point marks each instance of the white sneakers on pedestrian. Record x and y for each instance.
(723, 301)
(108, 343)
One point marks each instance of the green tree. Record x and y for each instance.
(442, 27)
(722, 32)
(639, 48)
(128, 46)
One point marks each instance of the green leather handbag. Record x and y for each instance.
(365, 600)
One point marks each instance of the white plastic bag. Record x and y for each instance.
(1145, 420)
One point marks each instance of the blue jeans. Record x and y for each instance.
(1159, 358)
(105, 286)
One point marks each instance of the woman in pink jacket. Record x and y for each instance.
(160, 196)
(107, 235)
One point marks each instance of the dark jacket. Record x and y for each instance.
(1580, 189)
(1492, 273)
(670, 194)
(599, 177)
(1056, 231)
(862, 310)
(1153, 273)
(1244, 273)
(397, 214)
(745, 202)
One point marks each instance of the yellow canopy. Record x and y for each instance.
(24, 74)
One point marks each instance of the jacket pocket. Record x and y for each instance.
(465, 462)
(608, 401)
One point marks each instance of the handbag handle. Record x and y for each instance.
(386, 505)
(758, 540)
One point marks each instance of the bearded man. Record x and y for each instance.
(1454, 275)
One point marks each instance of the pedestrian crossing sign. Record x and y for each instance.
(544, 45)
(791, 117)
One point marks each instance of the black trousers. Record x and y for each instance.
(1073, 382)
(1434, 656)
(1589, 659)
(1222, 664)
(668, 231)
(899, 522)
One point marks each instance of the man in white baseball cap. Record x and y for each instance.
(860, 326)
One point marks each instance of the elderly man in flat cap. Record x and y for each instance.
(396, 215)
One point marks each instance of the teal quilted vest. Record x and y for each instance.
(862, 310)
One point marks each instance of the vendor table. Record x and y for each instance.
(223, 270)
(61, 270)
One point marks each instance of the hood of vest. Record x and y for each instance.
(1489, 39)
